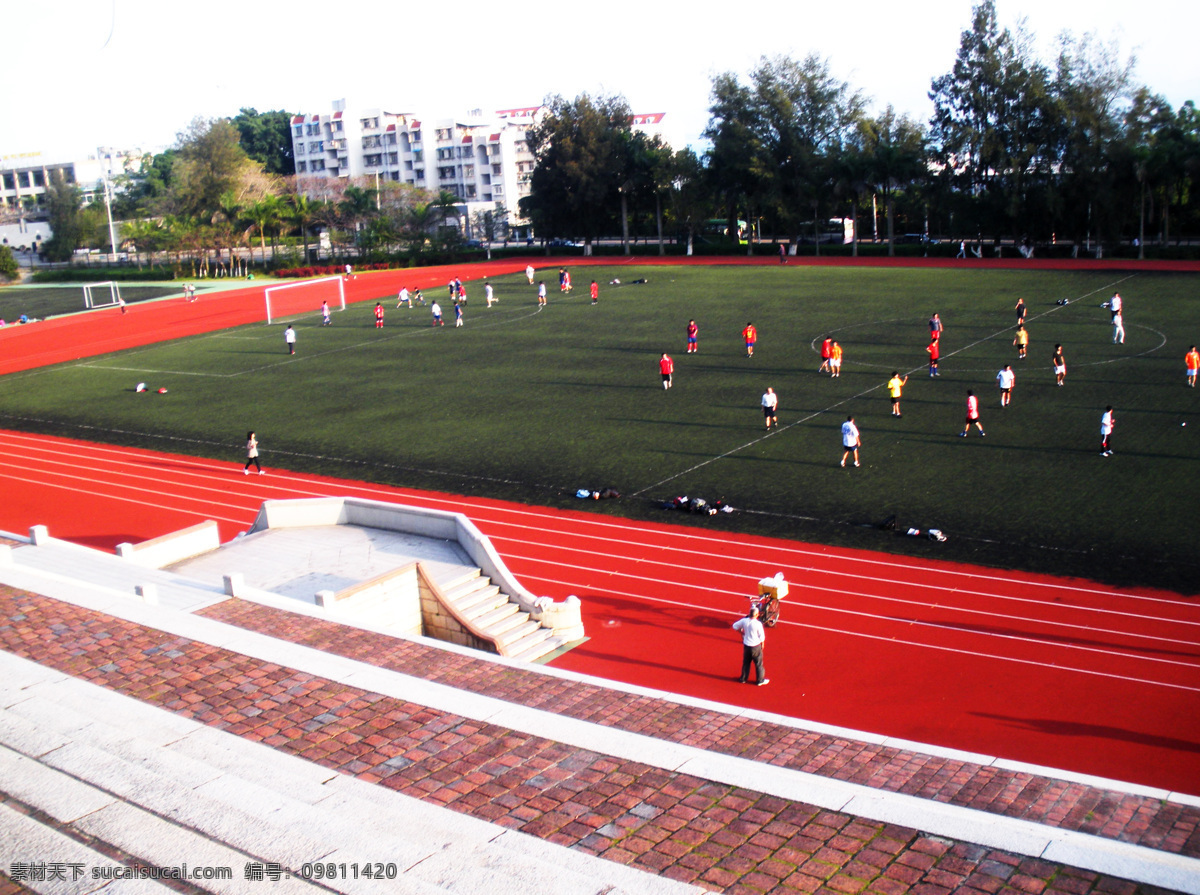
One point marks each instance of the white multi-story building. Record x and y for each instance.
(482, 160)
(23, 181)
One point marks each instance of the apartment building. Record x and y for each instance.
(23, 176)
(481, 159)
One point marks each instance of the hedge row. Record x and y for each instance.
(329, 270)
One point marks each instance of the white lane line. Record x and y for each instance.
(627, 531)
(919, 645)
(74, 489)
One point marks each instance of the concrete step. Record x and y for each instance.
(500, 619)
(461, 576)
(467, 593)
(473, 609)
(166, 790)
(510, 638)
(26, 841)
(536, 648)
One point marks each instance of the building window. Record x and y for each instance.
(443, 133)
(317, 165)
(468, 171)
(371, 142)
(498, 189)
(393, 158)
(373, 161)
(446, 173)
(301, 167)
(298, 130)
(496, 169)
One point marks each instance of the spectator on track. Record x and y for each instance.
(252, 454)
(754, 635)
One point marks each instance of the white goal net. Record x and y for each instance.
(304, 298)
(101, 295)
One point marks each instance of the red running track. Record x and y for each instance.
(1062, 673)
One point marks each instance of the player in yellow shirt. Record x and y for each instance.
(895, 384)
(1192, 360)
(1021, 341)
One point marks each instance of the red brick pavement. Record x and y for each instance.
(722, 837)
(1136, 819)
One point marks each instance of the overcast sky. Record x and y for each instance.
(132, 73)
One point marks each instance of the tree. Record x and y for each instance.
(1091, 85)
(805, 116)
(893, 150)
(689, 200)
(266, 137)
(776, 142)
(736, 164)
(579, 146)
(209, 162)
(63, 202)
(8, 264)
(992, 126)
(264, 214)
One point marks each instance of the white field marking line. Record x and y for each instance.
(494, 516)
(781, 429)
(946, 607)
(415, 333)
(152, 372)
(920, 645)
(908, 622)
(139, 502)
(291, 359)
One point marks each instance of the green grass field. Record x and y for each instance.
(51, 301)
(532, 406)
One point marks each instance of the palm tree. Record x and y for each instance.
(264, 214)
(446, 203)
(302, 213)
(145, 236)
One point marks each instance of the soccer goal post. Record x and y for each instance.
(305, 297)
(101, 295)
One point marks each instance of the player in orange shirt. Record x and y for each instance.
(749, 336)
(1192, 360)
(835, 360)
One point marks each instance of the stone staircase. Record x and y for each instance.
(96, 782)
(496, 617)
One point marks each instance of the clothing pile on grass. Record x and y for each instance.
(933, 534)
(698, 505)
(602, 494)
